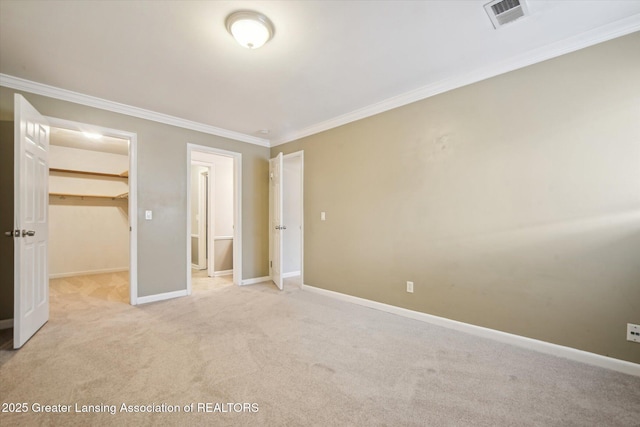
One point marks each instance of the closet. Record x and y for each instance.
(88, 204)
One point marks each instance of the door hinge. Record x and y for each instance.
(271, 264)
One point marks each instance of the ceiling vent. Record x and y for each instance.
(502, 12)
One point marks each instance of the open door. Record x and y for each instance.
(275, 219)
(31, 231)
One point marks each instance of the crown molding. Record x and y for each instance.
(598, 35)
(116, 107)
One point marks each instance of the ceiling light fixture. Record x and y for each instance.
(92, 135)
(250, 29)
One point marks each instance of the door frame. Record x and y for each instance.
(133, 190)
(237, 209)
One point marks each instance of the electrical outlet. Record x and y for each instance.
(410, 288)
(633, 332)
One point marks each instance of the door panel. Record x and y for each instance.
(275, 222)
(31, 204)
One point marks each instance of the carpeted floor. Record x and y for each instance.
(286, 358)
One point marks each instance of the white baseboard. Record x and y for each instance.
(88, 272)
(290, 274)
(161, 297)
(6, 323)
(504, 337)
(255, 280)
(222, 273)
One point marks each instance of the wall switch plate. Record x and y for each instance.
(148, 214)
(410, 287)
(323, 216)
(633, 332)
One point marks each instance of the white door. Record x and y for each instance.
(275, 219)
(31, 201)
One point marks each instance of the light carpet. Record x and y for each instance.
(296, 358)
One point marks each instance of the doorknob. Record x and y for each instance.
(12, 233)
(28, 233)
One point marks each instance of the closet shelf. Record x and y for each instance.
(90, 196)
(124, 174)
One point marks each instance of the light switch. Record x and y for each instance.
(148, 215)
(323, 216)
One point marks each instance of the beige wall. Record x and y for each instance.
(6, 219)
(163, 186)
(223, 250)
(513, 203)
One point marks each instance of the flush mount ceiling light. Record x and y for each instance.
(250, 29)
(92, 135)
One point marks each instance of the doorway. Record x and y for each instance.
(92, 206)
(292, 199)
(31, 210)
(213, 218)
(202, 197)
(286, 248)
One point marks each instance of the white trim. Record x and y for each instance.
(290, 274)
(504, 337)
(133, 191)
(116, 107)
(6, 323)
(162, 297)
(256, 280)
(223, 238)
(196, 267)
(598, 35)
(195, 236)
(88, 272)
(222, 273)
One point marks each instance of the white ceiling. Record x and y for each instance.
(330, 62)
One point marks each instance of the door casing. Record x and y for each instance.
(237, 210)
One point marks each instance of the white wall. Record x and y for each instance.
(292, 215)
(90, 235)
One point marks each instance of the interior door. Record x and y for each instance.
(275, 220)
(31, 196)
